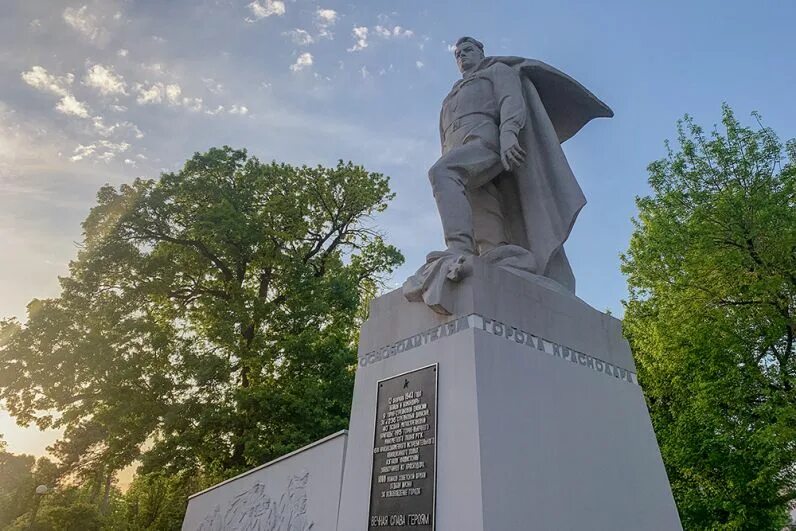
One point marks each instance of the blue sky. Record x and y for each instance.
(105, 91)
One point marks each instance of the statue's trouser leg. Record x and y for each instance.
(488, 222)
(450, 175)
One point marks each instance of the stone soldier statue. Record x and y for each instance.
(503, 187)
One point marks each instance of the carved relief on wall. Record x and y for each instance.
(255, 510)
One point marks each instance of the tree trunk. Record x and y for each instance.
(106, 496)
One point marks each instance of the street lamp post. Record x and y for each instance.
(41, 490)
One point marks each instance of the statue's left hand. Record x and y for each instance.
(511, 154)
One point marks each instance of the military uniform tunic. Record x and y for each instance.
(482, 107)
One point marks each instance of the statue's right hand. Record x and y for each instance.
(512, 156)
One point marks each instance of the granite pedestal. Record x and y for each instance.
(540, 421)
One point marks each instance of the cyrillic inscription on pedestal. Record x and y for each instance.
(402, 487)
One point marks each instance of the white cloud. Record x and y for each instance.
(239, 109)
(419, 64)
(105, 80)
(192, 104)
(153, 94)
(155, 68)
(170, 94)
(212, 85)
(103, 150)
(85, 23)
(326, 17)
(364, 72)
(38, 77)
(173, 93)
(82, 151)
(109, 130)
(300, 37)
(381, 31)
(70, 105)
(123, 52)
(261, 9)
(396, 31)
(303, 61)
(360, 34)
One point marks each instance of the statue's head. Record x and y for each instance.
(469, 53)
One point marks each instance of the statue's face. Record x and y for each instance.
(468, 55)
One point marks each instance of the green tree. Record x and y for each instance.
(19, 477)
(211, 314)
(16, 484)
(711, 270)
(64, 509)
(157, 501)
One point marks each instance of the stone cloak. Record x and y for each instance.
(542, 198)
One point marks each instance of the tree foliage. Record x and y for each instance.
(711, 315)
(153, 502)
(209, 317)
(19, 477)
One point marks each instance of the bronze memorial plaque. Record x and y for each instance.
(402, 483)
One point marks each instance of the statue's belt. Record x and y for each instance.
(474, 118)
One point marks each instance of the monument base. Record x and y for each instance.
(299, 491)
(538, 419)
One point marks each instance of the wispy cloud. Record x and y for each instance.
(38, 78)
(118, 127)
(325, 19)
(151, 94)
(99, 77)
(105, 80)
(166, 93)
(396, 31)
(300, 37)
(261, 9)
(326, 16)
(103, 150)
(85, 23)
(71, 106)
(360, 34)
(212, 85)
(303, 61)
